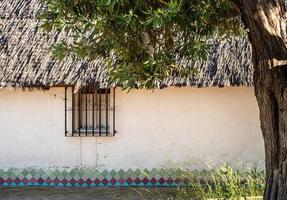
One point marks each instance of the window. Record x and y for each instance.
(93, 112)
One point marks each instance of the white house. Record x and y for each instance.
(61, 125)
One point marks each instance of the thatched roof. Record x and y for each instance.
(26, 60)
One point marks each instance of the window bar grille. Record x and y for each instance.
(65, 111)
(93, 110)
(87, 90)
(73, 117)
(107, 111)
(100, 122)
(96, 109)
(114, 117)
(100, 112)
(79, 110)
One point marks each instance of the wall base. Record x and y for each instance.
(89, 177)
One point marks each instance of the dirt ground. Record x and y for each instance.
(87, 194)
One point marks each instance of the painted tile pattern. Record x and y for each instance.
(87, 177)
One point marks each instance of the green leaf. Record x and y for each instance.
(177, 29)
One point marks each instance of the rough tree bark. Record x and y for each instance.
(266, 21)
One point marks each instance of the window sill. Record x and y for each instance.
(90, 133)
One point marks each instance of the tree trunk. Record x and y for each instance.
(266, 21)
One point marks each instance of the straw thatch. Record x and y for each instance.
(26, 60)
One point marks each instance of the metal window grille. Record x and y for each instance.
(93, 112)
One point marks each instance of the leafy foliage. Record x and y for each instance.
(224, 183)
(141, 41)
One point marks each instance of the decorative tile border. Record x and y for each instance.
(89, 177)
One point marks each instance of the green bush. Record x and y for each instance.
(223, 183)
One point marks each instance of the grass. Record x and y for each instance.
(223, 183)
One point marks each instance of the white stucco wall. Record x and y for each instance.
(173, 127)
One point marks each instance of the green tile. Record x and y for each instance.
(9, 172)
(113, 173)
(39, 172)
(17, 171)
(153, 172)
(137, 172)
(48, 172)
(64, 173)
(96, 173)
(32, 172)
(129, 172)
(178, 172)
(88, 172)
(162, 172)
(25, 172)
(56, 172)
(2, 172)
(105, 173)
(80, 172)
(121, 172)
(73, 172)
(169, 171)
(146, 172)
(126, 175)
